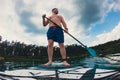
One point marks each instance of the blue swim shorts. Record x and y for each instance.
(56, 34)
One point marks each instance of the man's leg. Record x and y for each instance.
(50, 52)
(63, 54)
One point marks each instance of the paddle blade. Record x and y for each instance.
(92, 52)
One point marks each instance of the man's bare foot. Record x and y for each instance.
(66, 63)
(48, 63)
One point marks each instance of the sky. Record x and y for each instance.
(92, 22)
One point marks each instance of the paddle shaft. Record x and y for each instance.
(68, 33)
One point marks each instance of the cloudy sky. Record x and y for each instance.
(92, 22)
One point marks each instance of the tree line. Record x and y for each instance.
(111, 47)
(15, 48)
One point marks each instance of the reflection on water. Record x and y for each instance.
(85, 62)
(12, 65)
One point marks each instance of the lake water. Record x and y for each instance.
(91, 62)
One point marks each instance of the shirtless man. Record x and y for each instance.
(55, 33)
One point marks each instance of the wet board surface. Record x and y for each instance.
(54, 66)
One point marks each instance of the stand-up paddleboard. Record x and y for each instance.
(53, 66)
(72, 73)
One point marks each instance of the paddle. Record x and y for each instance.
(90, 50)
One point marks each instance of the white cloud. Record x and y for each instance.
(12, 29)
(108, 36)
(116, 5)
(14, 26)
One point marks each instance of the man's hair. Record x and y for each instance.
(54, 9)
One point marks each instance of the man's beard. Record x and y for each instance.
(56, 12)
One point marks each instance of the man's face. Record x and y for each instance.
(55, 10)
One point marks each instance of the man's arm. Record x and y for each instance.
(64, 24)
(45, 22)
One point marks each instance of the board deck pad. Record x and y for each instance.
(54, 66)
